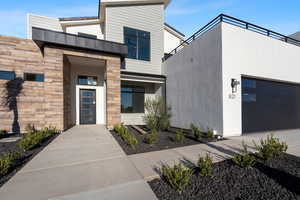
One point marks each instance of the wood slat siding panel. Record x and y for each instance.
(143, 17)
(42, 22)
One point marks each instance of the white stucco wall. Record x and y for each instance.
(194, 83)
(42, 22)
(170, 41)
(247, 53)
(142, 17)
(94, 29)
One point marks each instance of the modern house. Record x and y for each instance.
(231, 76)
(235, 77)
(88, 70)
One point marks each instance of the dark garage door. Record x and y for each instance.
(268, 105)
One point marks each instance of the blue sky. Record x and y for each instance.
(186, 15)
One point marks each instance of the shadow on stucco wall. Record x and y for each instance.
(13, 90)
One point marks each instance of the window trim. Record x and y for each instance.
(40, 74)
(133, 87)
(13, 75)
(137, 45)
(97, 83)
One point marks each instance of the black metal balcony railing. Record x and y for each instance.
(236, 22)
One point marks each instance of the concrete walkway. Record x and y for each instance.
(148, 163)
(82, 163)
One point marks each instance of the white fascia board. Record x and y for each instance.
(141, 79)
(176, 34)
(80, 22)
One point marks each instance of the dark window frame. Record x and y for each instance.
(40, 75)
(87, 76)
(136, 34)
(135, 90)
(12, 75)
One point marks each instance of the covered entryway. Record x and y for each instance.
(269, 105)
(87, 89)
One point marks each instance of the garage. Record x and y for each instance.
(269, 105)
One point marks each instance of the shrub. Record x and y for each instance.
(152, 138)
(179, 136)
(3, 132)
(205, 165)
(33, 139)
(30, 128)
(158, 114)
(210, 133)
(270, 147)
(131, 140)
(128, 137)
(117, 128)
(50, 130)
(244, 160)
(178, 176)
(196, 131)
(6, 161)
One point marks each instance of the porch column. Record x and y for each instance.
(53, 87)
(113, 92)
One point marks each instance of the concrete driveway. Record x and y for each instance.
(291, 137)
(82, 163)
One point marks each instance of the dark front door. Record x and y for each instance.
(269, 105)
(87, 106)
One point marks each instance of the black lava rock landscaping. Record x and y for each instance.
(9, 147)
(276, 179)
(164, 141)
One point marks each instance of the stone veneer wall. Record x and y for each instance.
(21, 56)
(46, 103)
(67, 94)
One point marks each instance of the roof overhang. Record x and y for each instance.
(74, 21)
(44, 36)
(105, 3)
(142, 77)
(174, 31)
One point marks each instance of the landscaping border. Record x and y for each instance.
(164, 141)
(277, 178)
(24, 158)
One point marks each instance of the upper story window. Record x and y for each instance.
(138, 43)
(87, 80)
(87, 35)
(7, 75)
(34, 77)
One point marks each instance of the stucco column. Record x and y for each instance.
(113, 92)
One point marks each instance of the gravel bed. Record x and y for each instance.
(6, 147)
(278, 179)
(164, 141)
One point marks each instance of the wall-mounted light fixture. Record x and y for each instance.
(234, 84)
